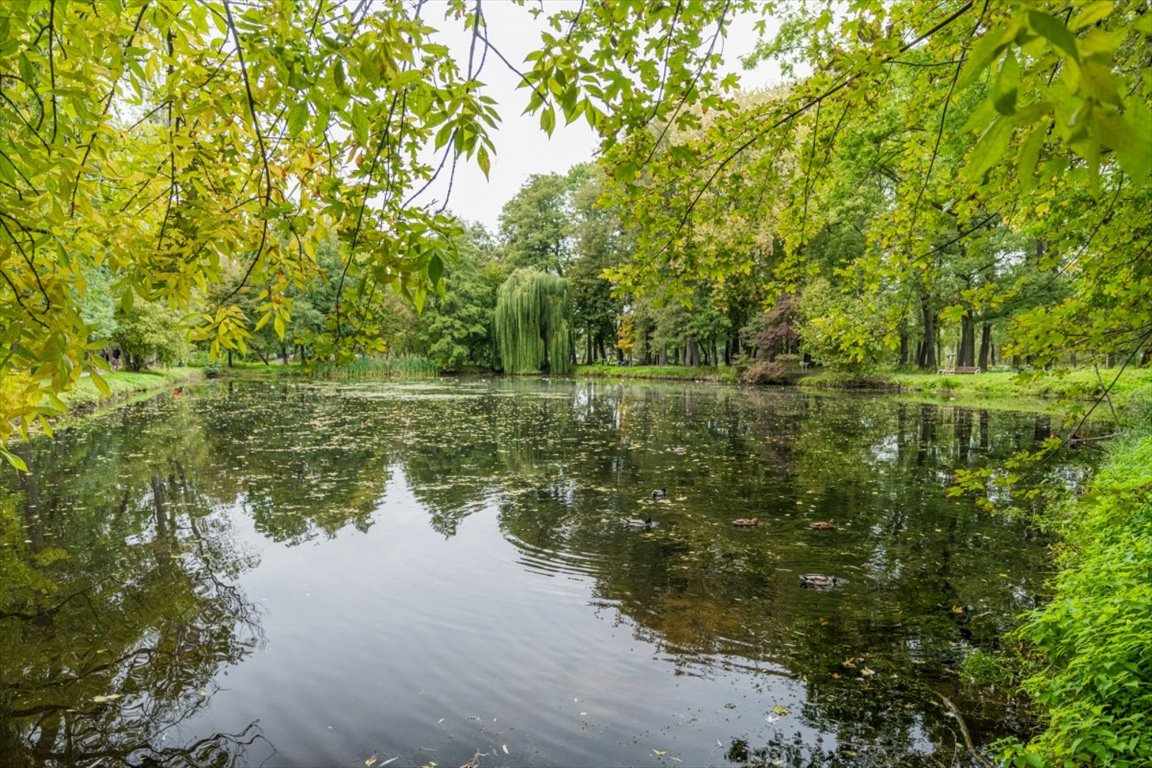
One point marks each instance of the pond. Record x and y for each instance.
(422, 573)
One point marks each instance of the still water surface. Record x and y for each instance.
(441, 572)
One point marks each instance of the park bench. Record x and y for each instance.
(958, 369)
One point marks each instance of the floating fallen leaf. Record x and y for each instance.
(865, 672)
(372, 759)
(659, 752)
(729, 705)
(110, 697)
(505, 748)
(779, 709)
(389, 760)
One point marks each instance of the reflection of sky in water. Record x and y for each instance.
(443, 568)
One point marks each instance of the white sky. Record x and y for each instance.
(522, 148)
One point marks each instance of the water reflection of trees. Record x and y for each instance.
(118, 543)
(117, 609)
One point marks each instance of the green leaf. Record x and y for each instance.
(435, 268)
(13, 459)
(1053, 30)
(1091, 14)
(483, 160)
(297, 118)
(1029, 154)
(359, 124)
(100, 383)
(989, 150)
(1004, 94)
(983, 53)
(1133, 149)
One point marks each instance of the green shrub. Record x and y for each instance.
(1093, 641)
(770, 373)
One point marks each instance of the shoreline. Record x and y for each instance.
(126, 387)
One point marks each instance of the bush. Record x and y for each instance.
(762, 373)
(1094, 639)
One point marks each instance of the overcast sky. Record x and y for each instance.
(521, 147)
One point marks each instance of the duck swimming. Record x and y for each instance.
(746, 522)
(659, 493)
(820, 581)
(638, 523)
(823, 526)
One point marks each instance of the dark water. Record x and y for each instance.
(441, 572)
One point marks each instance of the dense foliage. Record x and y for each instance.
(1095, 637)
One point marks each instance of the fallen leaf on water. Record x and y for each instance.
(865, 672)
(659, 752)
(779, 710)
(110, 697)
(505, 748)
(372, 759)
(389, 760)
(729, 705)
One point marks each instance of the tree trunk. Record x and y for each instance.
(926, 356)
(903, 349)
(966, 351)
(985, 345)
(691, 352)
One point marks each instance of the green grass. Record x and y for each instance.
(723, 373)
(122, 384)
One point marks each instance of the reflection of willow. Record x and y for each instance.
(104, 659)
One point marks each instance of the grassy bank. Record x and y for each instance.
(724, 373)
(1093, 642)
(124, 385)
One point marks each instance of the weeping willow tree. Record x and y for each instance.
(532, 327)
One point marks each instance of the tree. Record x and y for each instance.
(600, 244)
(533, 325)
(456, 329)
(534, 224)
(147, 332)
(953, 122)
